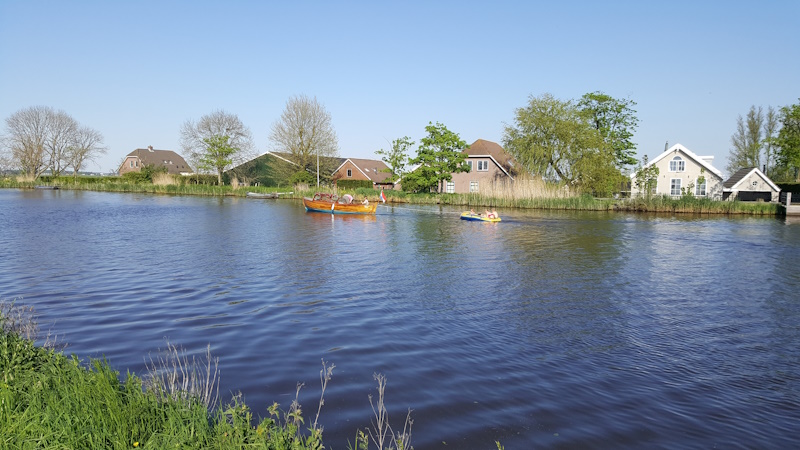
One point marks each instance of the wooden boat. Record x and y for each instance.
(466, 215)
(262, 195)
(328, 203)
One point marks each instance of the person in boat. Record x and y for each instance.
(365, 202)
(490, 214)
(472, 212)
(347, 199)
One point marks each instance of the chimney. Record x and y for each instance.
(150, 148)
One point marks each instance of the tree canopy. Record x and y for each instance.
(554, 139)
(787, 142)
(306, 133)
(439, 155)
(217, 141)
(616, 121)
(39, 138)
(396, 157)
(747, 141)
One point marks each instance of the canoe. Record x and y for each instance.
(330, 204)
(262, 195)
(466, 215)
(41, 186)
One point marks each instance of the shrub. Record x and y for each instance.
(301, 177)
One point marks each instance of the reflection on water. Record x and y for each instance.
(550, 329)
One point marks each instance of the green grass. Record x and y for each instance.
(49, 401)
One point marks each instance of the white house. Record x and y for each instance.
(750, 184)
(680, 169)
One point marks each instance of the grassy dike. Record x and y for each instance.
(51, 401)
(501, 199)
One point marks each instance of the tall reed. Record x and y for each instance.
(164, 179)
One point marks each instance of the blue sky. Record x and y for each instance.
(135, 71)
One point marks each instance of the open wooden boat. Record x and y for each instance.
(328, 203)
(262, 195)
(466, 215)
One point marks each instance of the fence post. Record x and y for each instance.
(788, 199)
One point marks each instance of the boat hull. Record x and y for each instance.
(260, 195)
(478, 218)
(338, 208)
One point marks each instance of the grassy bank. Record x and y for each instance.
(524, 196)
(51, 401)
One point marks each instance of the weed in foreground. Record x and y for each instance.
(381, 433)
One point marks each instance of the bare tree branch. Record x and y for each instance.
(305, 131)
(195, 138)
(87, 145)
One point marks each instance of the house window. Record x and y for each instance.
(700, 189)
(675, 187)
(483, 166)
(451, 187)
(349, 173)
(469, 163)
(473, 186)
(131, 163)
(677, 164)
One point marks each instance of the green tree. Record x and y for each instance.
(747, 141)
(616, 121)
(440, 154)
(218, 155)
(551, 138)
(770, 128)
(646, 178)
(787, 142)
(197, 139)
(396, 157)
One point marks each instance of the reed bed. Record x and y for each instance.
(696, 205)
(165, 179)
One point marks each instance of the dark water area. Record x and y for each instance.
(547, 330)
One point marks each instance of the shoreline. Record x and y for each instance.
(682, 205)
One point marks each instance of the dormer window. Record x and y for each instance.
(677, 164)
(349, 173)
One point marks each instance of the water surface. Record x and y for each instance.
(549, 329)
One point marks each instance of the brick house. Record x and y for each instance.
(365, 169)
(489, 163)
(141, 157)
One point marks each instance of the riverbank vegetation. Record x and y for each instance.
(526, 194)
(49, 400)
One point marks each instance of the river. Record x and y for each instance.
(547, 330)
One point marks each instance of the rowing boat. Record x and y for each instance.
(262, 195)
(466, 215)
(328, 203)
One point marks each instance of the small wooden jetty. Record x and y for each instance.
(791, 210)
